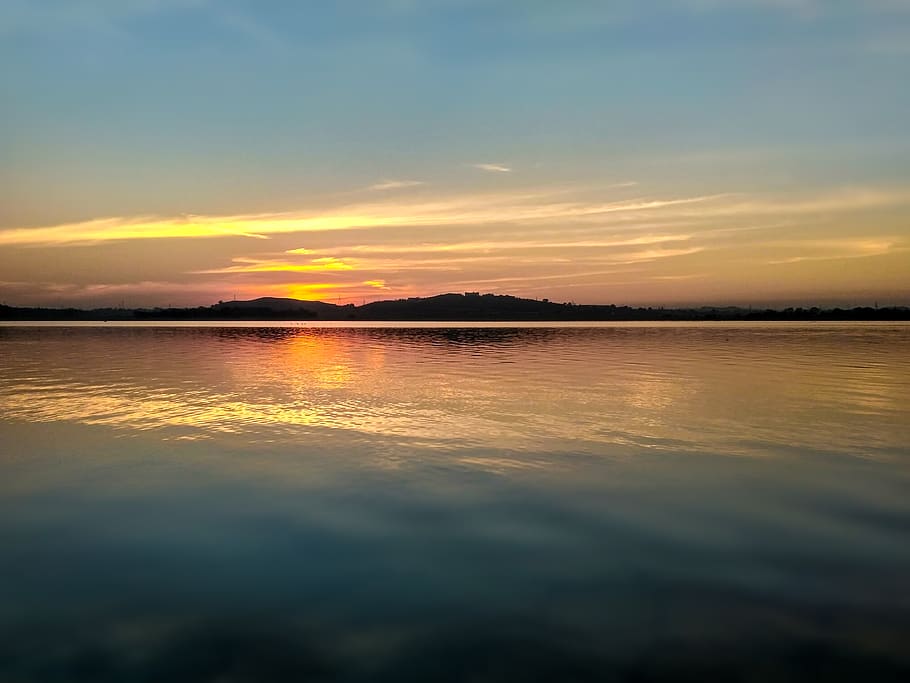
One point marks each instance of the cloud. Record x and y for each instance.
(253, 265)
(518, 239)
(545, 209)
(474, 209)
(493, 168)
(837, 249)
(510, 245)
(689, 276)
(139, 293)
(394, 185)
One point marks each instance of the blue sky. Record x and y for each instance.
(134, 109)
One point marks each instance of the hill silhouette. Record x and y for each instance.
(451, 307)
(270, 305)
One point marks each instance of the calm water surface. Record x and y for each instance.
(475, 503)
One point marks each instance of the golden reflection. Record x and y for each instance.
(656, 394)
(316, 361)
(517, 391)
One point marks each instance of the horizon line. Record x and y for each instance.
(544, 300)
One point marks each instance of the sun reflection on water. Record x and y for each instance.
(517, 389)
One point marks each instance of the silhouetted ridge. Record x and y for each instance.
(463, 307)
(448, 308)
(268, 306)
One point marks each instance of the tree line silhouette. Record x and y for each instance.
(451, 307)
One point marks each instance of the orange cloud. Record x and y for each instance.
(252, 265)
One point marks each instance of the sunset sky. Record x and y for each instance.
(178, 152)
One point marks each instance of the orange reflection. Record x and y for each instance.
(529, 391)
(321, 361)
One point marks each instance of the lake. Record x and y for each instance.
(304, 502)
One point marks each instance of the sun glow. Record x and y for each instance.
(308, 291)
(568, 242)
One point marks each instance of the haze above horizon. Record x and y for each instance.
(178, 152)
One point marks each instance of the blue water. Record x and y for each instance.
(268, 503)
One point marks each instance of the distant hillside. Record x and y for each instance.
(465, 307)
(447, 307)
(271, 305)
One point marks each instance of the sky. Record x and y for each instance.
(182, 152)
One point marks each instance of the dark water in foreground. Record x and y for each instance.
(623, 503)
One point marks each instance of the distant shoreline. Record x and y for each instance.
(468, 307)
(443, 325)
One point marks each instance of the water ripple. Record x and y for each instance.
(739, 391)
